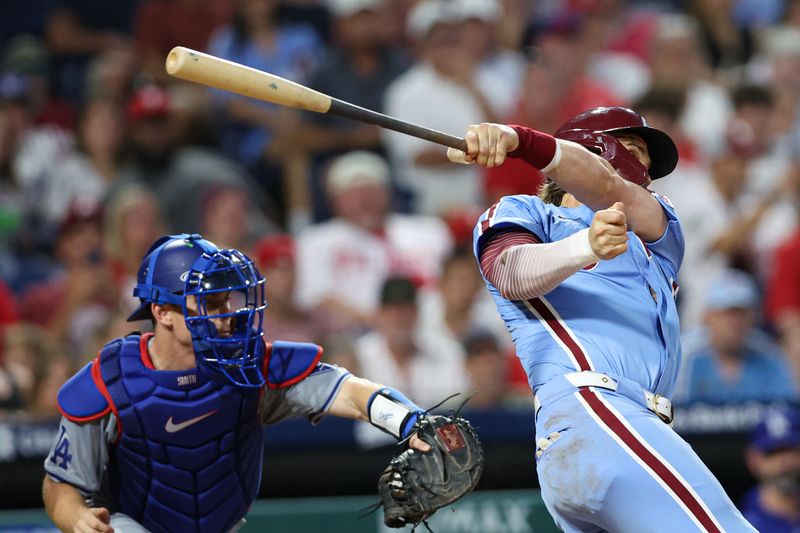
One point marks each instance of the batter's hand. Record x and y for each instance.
(94, 520)
(487, 145)
(608, 234)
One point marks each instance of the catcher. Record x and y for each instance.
(162, 431)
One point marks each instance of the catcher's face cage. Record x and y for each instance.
(227, 286)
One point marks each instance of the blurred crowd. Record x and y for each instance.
(364, 235)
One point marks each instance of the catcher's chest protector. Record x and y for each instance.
(189, 455)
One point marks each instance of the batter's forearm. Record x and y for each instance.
(532, 270)
(586, 176)
(590, 179)
(594, 182)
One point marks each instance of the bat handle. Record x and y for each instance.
(345, 109)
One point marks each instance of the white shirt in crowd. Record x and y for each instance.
(337, 259)
(423, 97)
(436, 371)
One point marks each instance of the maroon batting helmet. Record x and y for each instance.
(596, 129)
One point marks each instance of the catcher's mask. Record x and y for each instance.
(596, 129)
(225, 286)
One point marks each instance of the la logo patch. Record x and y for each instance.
(61, 456)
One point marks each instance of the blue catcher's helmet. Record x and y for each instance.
(179, 266)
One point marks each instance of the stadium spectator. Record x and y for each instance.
(37, 366)
(178, 175)
(727, 44)
(110, 75)
(357, 69)
(558, 74)
(8, 306)
(76, 30)
(515, 19)
(163, 24)
(275, 256)
(444, 91)
(677, 61)
(343, 262)
(783, 298)
(33, 151)
(131, 222)
(11, 205)
(772, 177)
(83, 177)
(737, 214)
(449, 311)
(78, 297)
(778, 67)
(729, 361)
(361, 62)
(458, 306)
(488, 371)
(479, 24)
(619, 33)
(256, 39)
(10, 397)
(225, 212)
(555, 87)
(773, 457)
(26, 55)
(340, 349)
(396, 355)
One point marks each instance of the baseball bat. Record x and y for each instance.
(220, 73)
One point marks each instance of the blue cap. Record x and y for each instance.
(778, 429)
(732, 289)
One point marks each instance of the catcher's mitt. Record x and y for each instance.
(416, 484)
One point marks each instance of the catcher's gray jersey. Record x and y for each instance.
(85, 466)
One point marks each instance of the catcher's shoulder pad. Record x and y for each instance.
(287, 363)
(80, 399)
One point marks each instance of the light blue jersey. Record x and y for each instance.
(596, 348)
(617, 316)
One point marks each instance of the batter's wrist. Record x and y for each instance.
(536, 148)
(581, 248)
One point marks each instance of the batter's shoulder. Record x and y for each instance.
(523, 203)
(80, 399)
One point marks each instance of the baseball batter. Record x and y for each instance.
(162, 431)
(585, 276)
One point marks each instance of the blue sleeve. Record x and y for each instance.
(521, 211)
(671, 245)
